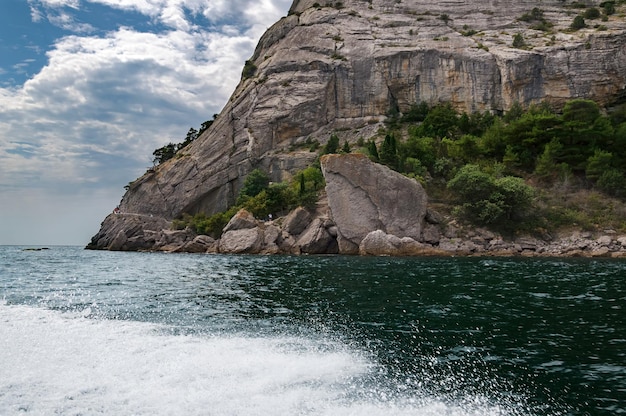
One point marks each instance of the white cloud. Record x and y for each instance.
(89, 120)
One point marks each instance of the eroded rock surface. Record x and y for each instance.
(364, 196)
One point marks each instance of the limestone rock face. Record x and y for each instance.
(128, 232)
(341, 69)
(364, 196)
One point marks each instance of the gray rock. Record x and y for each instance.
(297, 221)
(364, 196)
(200, 244)
(378, 243)
(249, 241)
(431, 234)
(271, 240)
(242, 220)
(317, 240)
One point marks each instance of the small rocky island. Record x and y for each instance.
(347, 70)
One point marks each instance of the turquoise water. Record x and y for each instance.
(85, 332)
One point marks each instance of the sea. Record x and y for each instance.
(118, 333)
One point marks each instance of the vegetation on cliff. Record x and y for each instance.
(493, 167)
(261, 198)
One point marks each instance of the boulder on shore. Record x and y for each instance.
(364, 196)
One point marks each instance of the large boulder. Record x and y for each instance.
(364, 196)
(297, 221)
(317, 240)
(242, 220)
(248, 241)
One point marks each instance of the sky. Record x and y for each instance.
(90, 88)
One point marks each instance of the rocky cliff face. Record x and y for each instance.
(342, 66)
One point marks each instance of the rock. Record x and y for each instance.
(528, 243)
(128, 232)
(297, 221)
(378, 243)
(200, 244)
(168, 240)
(433, 217)
(601, 252)
(248, 240)
(271, 240)
(431, 234)
(242, 220)
(604, 241)
(317, 240)
(622, 241)
(364, 196)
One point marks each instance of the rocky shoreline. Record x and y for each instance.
(366, 209)
(300, 233)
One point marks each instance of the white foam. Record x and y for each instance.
(60, 363)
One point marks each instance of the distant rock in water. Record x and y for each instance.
(343, 67)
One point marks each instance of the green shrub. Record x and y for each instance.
(592, 13)
(486, 200)
(332, 146)
(518, 41)
(613, 182)
(578, 23)
(608, 7)
(599, 163)
(254, 184)
(249, 70)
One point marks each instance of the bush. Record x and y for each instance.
(332, 146)
(592, 13)
(486, 200)
(249, 70)
(518, 41)
(612, 182)
(578, 23)
(608, 8)
(254, 184)
(598, 164)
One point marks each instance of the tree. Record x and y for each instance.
(249, 70)
(546, 166)
(441, 121)
(164, 153)
(346, 147)
(518, 41)
(254, 184)
(332, 146)
(416, 113)
(192, 135)
(389, 152)
(372, 150)
(599, 163)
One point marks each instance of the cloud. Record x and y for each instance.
(89, 120)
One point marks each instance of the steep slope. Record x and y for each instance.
(342, 66)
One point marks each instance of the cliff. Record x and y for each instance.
(343, 66)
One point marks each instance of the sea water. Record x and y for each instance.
(90, 333)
